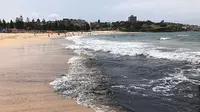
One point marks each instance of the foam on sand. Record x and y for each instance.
(80, 83)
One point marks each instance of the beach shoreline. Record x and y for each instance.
(28, 66)
(13, 39)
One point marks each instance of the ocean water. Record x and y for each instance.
(142, 72)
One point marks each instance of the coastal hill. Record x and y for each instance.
(132, 25)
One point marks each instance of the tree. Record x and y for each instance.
(27, 24)
(33, 21)
(56, 25)
(1, 23)
(99, 21)
(38, 27)
(20, 18)
(11, 24)
(87, 28)
(62, 26)
(32, 25)
(4, 24)
(27, 20)
(8, 25)
(19, 22)
(70, 27)
(43, 21)
(38, 21)
(148, 22)
(44, 24)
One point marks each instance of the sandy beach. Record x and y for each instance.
(28, 64)
(13, 39)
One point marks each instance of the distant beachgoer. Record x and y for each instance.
(65, 34)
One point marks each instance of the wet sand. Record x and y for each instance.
(25, 73)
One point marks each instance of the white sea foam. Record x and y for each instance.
(166, 84)
(182, 35)
(79, 83)
(73, 59)
(133, 49)
(118, 86)
(136, 87)
(165, 38)
(74, 37)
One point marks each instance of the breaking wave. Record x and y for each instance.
(133, 49)
(165, 38)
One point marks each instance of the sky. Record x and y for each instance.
(181, 11)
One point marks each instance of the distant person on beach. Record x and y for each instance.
(65, 34)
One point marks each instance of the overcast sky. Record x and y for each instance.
(183, 11)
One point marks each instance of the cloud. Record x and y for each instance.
(170, 6)
(53, 16)
(172, 10)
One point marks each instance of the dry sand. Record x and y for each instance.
(27, 65)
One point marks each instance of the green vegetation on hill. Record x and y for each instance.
(140, 26)
(82, 25)
(58, 25)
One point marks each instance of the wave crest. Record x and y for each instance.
(133, 49)
(165, 38)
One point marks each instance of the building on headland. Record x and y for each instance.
(132, 19)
